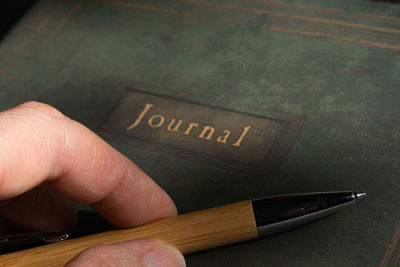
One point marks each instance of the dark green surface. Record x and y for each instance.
(344, 77)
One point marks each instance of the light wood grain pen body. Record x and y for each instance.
(190, 233)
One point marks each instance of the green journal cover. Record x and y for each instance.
(227, 100)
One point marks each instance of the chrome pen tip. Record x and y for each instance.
(358, 196)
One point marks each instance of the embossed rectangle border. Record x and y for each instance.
(270, 166)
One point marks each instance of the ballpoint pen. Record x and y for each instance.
(201, 230)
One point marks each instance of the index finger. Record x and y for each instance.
(39, 144)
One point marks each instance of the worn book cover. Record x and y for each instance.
(227, 100)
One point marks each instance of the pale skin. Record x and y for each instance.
(47, 159)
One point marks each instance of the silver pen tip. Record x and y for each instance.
(359, 195)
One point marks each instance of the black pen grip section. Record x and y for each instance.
(282, 208)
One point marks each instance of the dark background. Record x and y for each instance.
(10, 12)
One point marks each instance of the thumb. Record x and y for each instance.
(139, 252)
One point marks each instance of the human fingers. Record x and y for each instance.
(139, 252)
(40, 145)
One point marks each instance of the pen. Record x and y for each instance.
(201, 230)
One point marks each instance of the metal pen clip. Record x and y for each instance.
(17, 241)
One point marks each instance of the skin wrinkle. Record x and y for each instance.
(111, 191)
(120, 247)
(98, 255)
(62, 170)
(106, 170)
(34, 118)
(93, 158)
(46, 150)
(75, 162)
(101, 203)
(130, 253)
(55, 147)
(139, 213)
(6, 149)
(107, 173)
(47, 111)
(30, 122)
(141, 184)
(153, 197)
(58, 169)
(102, 160)
(64, 142)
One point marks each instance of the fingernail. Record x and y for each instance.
(164, 255)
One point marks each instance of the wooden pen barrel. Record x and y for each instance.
(190, 233)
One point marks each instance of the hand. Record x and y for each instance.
(46, 159)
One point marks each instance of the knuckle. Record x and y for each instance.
(42, 109)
